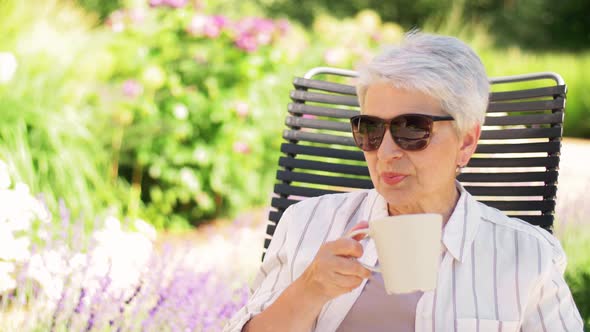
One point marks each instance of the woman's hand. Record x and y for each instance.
(335, 270)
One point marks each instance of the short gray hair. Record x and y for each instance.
(442, 67)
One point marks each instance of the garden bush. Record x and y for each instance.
(194, 126)
(52, 58)
(199, 122)
(173, 112)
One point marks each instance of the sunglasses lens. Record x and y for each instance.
(367, 132)
(411, 132)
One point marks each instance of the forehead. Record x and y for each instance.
(386, 101)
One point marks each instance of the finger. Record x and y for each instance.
(351, 267)
(346, 282)
(361, 225)
(345, 247)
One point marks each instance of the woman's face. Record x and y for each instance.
(415, 181)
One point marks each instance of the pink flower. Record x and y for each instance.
(156, 3)
(211, 31)
(176, 3)
(169, 3)
(264, 38)
(219, 21)
(335, 56)
(241, 147)
(209, 26)
(116, 21)
(242, 109)
(197, 25)
(136, 15)
(132, 88)
(247, 42)
(264, 25)
(283, 26)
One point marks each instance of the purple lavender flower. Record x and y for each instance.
(78, 308)
(90, 324)
(58, 308)
(64, 214)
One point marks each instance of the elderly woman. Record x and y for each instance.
(422, 107)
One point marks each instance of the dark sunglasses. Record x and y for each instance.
(410, 132)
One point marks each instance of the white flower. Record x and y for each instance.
(123, 255)
(146, 229)
(189, 179)
(12, 248)
(7, 282)
(19, 209)
(180, 112)
(48, 268)
(336, 56)
(112, 224)
(8, 65)
(5, 181)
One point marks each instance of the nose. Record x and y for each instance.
(388, 148)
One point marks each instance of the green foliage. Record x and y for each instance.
(194, 128)
(47, 131)
(175, 114)
(575, 239)
(101, 7)
(536, 24)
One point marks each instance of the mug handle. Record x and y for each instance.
(366, 232)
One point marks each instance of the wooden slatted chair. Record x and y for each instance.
(514, 168)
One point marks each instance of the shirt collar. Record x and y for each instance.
(458, 233)
(460, 230)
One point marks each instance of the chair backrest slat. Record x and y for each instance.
(514, 168)
(315, 97)
(529, 119)
(521, 133)
(304, 84)
(338, 181)
(289, 162)
(296, 135)
(521, 106)
(549, 147)
(290, 148)
(558, 90)
(301, 109)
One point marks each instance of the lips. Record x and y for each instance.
(392, 178)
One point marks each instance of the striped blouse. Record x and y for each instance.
(497, 273)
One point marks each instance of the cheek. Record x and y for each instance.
(435, 167)
(371, 159)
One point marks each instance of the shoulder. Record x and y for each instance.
(327, 202)
(530, 238)
(319, 212)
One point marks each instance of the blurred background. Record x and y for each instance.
(139, 141)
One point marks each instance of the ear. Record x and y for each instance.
(468, 143)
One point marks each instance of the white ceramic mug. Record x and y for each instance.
(409, 249)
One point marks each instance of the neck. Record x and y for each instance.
(444, 206)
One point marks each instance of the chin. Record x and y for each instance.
(395, 195)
